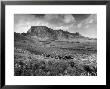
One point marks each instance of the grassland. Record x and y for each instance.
(55, 58)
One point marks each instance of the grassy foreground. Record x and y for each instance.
(28, 64)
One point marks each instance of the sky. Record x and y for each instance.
(85, 24)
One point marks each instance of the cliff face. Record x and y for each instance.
(44, 33)
(48, 33)
(41, 31)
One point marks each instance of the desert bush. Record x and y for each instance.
(91, 70)
(36, 67)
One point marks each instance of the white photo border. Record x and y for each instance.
(100, 79)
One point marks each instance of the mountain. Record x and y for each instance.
(44, 33)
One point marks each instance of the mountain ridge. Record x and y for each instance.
(46, 33)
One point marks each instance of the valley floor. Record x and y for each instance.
(52, 59)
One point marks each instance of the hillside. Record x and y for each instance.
(44, 33)
(46, 52)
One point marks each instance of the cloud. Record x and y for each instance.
(59, 19)
(79, 25)
(56, 21)
(23, 22)
(91, 20)
(69, 19)
(87, 26)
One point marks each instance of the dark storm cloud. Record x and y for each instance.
(39, 15)
(80, 17)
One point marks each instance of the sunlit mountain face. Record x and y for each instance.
(85, 24)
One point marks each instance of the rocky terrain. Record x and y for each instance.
(43, 51)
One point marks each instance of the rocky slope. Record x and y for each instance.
(44, 33)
